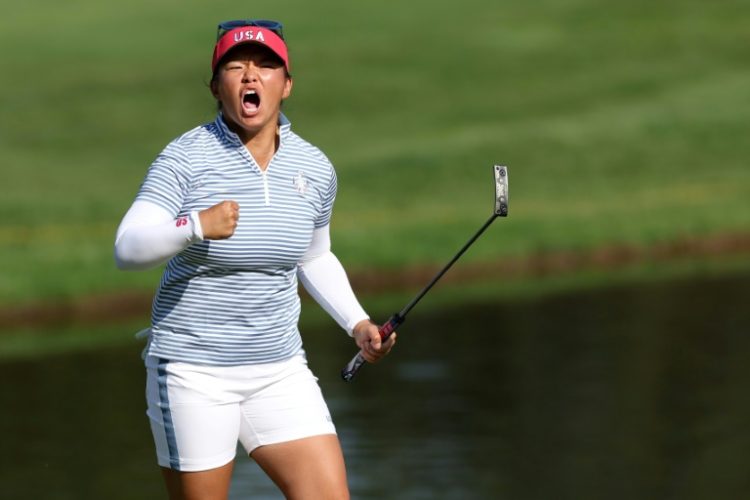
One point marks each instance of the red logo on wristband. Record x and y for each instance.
(182, 221)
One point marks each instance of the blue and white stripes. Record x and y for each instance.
(235, 301)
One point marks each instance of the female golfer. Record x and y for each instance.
(239, 208)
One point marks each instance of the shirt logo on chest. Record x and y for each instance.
(300, 183)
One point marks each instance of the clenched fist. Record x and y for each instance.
(219, 221)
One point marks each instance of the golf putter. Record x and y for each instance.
(385, 331)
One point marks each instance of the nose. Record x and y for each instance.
(250, 74)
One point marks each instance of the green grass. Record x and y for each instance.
(620, 123)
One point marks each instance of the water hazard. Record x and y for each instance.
(633, 392)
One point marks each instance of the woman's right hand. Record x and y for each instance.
(219, 221)
(367, 336)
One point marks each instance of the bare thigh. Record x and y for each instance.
(210, 484)
(308, 468)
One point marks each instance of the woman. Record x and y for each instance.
(240, 210)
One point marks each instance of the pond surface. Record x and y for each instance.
(628, 393)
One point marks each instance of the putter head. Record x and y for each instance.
(501, 190)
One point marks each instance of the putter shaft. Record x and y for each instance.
(385, 331)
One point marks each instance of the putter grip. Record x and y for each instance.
(357, 361)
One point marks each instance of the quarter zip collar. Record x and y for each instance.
(226, 135)
(232, 139)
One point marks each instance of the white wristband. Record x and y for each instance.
(196, 223)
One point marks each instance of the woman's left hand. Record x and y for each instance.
(368, 340)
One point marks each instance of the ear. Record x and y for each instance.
(287, 88)
(214, 86)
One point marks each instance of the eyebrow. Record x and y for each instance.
(258, 57)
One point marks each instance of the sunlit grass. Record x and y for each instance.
(620, 124)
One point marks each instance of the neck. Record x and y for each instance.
(262, 144)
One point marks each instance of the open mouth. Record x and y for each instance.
(250, 101)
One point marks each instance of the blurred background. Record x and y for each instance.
(592, 345)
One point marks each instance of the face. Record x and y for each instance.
(250, 83)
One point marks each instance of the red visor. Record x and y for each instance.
(250, 34)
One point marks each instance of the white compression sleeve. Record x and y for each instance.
(323, 276)
(149, 235)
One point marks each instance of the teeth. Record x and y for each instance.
(250, 100)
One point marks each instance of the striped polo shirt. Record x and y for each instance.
(235, 301)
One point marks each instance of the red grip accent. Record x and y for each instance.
(386, 330)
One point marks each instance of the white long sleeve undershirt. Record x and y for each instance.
(324, 278)
(149, 235)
